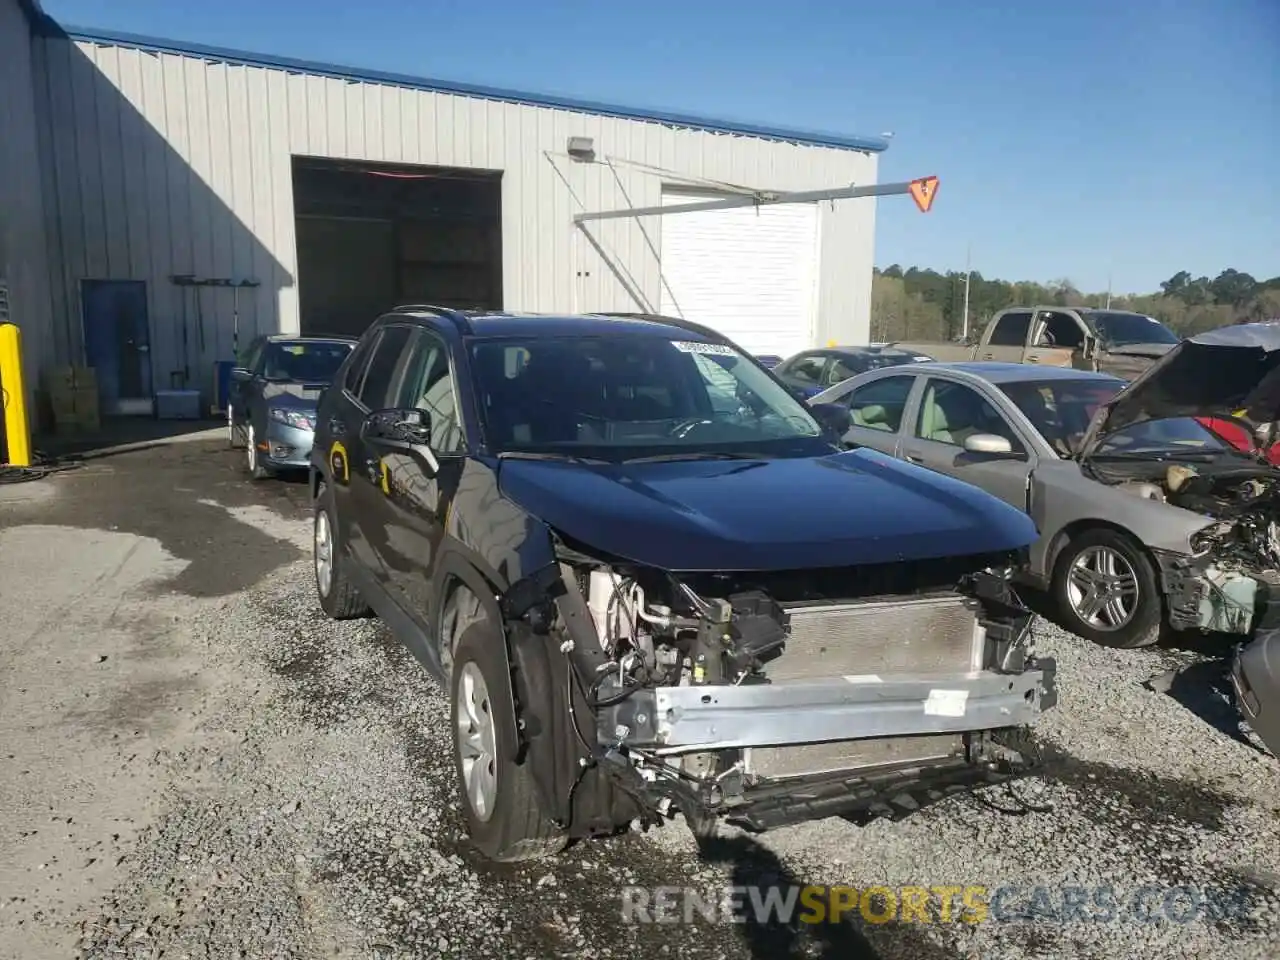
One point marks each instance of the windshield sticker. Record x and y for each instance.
(693, 346)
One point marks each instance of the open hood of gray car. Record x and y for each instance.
(1231, 371)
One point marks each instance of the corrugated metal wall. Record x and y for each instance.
(23, 252)
(159, 164)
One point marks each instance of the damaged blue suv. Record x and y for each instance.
(655, 584)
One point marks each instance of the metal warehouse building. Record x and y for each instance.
(159, 201)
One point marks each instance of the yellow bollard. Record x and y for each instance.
(13, 392)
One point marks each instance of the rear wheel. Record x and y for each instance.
(500, 800)
(1106, 590)
(338, 597)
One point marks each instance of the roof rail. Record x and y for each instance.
(684, 324)
(458, 317)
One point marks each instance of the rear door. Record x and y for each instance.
(879, 410)
(337, 441)
(1008, 337)
(947, 413)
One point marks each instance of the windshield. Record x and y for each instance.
(1060, 409)
(1120, 329)
(625, 397)
(306, 361)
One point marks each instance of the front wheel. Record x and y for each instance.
(499, 798)
(1106, 590)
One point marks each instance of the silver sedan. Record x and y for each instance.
(1155, 522)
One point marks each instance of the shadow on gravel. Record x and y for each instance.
(752, 865)
(156, 494)
(1205, 689)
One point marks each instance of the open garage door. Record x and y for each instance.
(749, 272)
(370, 236)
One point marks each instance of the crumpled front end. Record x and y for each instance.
(771, 698)
(1229, 582)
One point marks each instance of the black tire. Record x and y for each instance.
(342, 601)
(516, 827)
(1143, 627)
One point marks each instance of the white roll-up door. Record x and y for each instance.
(749, 272)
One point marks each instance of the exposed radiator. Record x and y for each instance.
(921, 636)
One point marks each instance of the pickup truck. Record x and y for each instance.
(1108, 341)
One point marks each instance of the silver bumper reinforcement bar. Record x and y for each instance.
(846, 708)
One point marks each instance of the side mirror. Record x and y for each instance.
(1089, 349)
(988, 443)
(403, 430)
(834, 417)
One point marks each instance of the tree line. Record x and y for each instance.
(923, 304)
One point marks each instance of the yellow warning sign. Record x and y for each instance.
(923, 191)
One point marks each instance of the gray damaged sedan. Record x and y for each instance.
(1146, 517)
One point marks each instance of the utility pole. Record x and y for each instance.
(964, 326)
(1108, 291)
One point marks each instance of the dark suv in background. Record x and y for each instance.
(653, 582)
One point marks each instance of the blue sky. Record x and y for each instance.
(1086, 139)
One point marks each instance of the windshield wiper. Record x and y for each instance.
(550, 455)
(695, 455)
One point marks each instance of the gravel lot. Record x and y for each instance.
(194, 763)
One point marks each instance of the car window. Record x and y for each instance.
(722, 386)
(951, 413)
(1059, 330)
(249, 356)
(806, 369)
(842, 368)
(631, 396)
(427, 385)
(879, 405)
(1060, 409)
(1010, 329)
(359, 363)
(378, 390)
(305, 361)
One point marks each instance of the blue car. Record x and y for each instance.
(810, 372)
(271, 410)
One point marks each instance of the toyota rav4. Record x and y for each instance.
(656, 584)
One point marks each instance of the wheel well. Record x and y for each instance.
(1073, 530)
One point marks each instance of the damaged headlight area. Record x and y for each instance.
(770, 698)
(1231, 582)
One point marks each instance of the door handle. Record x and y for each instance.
(336, 425)
(987, 356)
(1031, 359)
(913, 458)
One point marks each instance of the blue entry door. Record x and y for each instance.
(117, 341)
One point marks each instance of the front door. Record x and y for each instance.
(117, 343)
(417, 497)
(1008, 337)
(950, 412)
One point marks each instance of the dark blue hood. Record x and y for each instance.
(858, 507)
